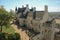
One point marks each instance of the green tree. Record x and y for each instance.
(12, 13)
(4, 17)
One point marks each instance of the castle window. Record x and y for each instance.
(31, 21)
(45, 30)
(37, 38)
(48, 24)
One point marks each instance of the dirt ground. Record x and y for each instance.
(23, 35)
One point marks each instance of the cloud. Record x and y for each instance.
(40, 8)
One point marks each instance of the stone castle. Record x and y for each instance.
(41, 26)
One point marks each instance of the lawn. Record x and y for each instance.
(57, 21)
(8, 29)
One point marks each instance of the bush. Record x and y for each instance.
(17, 36)
(10, 37)
(5, 36)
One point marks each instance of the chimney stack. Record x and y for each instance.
(27, 6)
(16, 9)
(22, 6)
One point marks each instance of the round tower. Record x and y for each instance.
(46, 9)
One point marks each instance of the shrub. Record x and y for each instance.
(5, 36)
(17, 36)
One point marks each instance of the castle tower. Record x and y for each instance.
(46, 15)
(46, 9)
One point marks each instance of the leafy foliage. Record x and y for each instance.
(5, 17)
(12, 13)
(6, 36)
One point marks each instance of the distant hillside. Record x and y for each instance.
(55, 14)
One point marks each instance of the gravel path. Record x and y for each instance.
(23, 35)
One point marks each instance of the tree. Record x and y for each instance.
(12, 13)
(4, 17)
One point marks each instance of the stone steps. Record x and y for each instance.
(31, 33)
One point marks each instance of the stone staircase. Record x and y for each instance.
(31, 33)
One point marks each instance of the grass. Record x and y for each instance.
(8, 29)
(57, 21)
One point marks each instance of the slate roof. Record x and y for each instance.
(50, 20)
(39, 14)
(31, 9)
(21, 10)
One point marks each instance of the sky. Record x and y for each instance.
(53, 5)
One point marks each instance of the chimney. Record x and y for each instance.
(22, 6)
(46, 9)
(27, 6)
(16, 9)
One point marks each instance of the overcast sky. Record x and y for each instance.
(53, 5)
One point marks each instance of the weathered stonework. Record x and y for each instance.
(38, 21)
